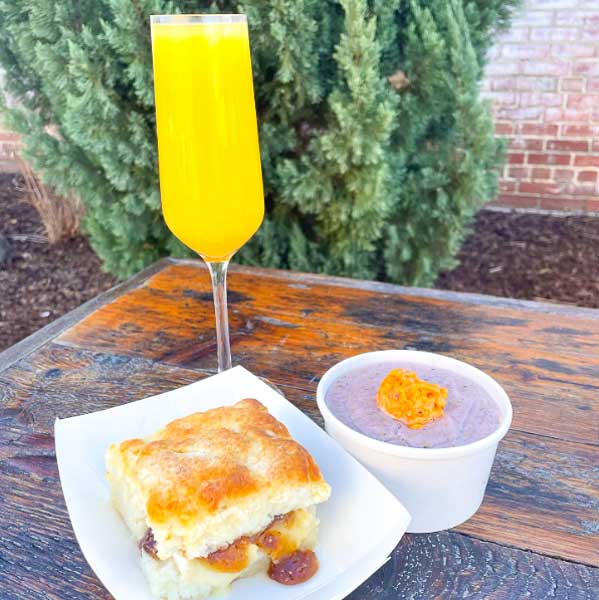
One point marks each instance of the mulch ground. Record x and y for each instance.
(40, 282)
(536, 257)
(530, 256)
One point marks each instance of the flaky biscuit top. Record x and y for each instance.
(212, 476)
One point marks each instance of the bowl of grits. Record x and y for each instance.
(438, 468)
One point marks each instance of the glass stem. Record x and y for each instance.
(218, 272)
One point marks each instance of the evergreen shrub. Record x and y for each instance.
(377, 149)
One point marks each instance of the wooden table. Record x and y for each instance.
(537, 533)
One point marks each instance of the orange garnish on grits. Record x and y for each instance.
(405, 397)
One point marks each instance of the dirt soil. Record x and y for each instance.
(529, 256)
(39, 283)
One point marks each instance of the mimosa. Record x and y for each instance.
(208, 152)
(210, 176)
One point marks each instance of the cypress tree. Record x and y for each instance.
(376, 148)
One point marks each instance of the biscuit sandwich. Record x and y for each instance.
(216, 496)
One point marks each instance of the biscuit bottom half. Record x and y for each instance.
(283, 549)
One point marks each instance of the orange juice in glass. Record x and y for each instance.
(209, 158)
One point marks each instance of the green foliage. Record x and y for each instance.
(376, 147)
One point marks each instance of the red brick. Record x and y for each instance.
(573, 50)
(561, 204)
(571, 17)
(595, 146)
(519, 172)
(591, 20)
(563, 175)
(554, 34)
(590, 34)
(6, 136)
(537, 129)
(525, 144)
(592, 206)
(580, 130)
(582, 101)
(516, 201)
(499, 69)
(568, 145)
(539, 99)
(521, 51)
(573, 115)
(554, 68)
(590, 69)
(572, 85)
(593, 85)
(533, 18)
(520, 114)
(516, 34)
(582, 189)
(507, 186)
(503, 84)
(534, 187)
(536, 83)
(515, 159)
(8, 149)
(504, 128)
(548, 159)
(587, 176)
(504, 98)
(587, 161)
(538, 173)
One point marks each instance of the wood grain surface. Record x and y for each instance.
(294, 331)
(450, 565)
(544, 490)
(72, 381)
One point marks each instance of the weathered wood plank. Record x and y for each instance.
(294, 279)
(39, 555)
(543, 494)
(449, 565)
(281, 328)
(378, 287)
(58, 382)
(41, 558)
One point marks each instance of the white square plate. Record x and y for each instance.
(359, 526)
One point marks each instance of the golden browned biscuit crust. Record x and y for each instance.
(210, 460)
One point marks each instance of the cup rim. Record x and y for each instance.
(497, 392)
(206, 18)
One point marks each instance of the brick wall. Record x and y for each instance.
(8, 146)
(543, 79)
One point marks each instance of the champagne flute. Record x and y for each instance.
(208, 151)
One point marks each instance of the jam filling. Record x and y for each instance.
(288, 565)
(148, 544)
(231, 559)
(294, 568)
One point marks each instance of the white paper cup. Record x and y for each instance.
(440, 487)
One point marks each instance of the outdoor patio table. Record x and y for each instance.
(537, 533)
